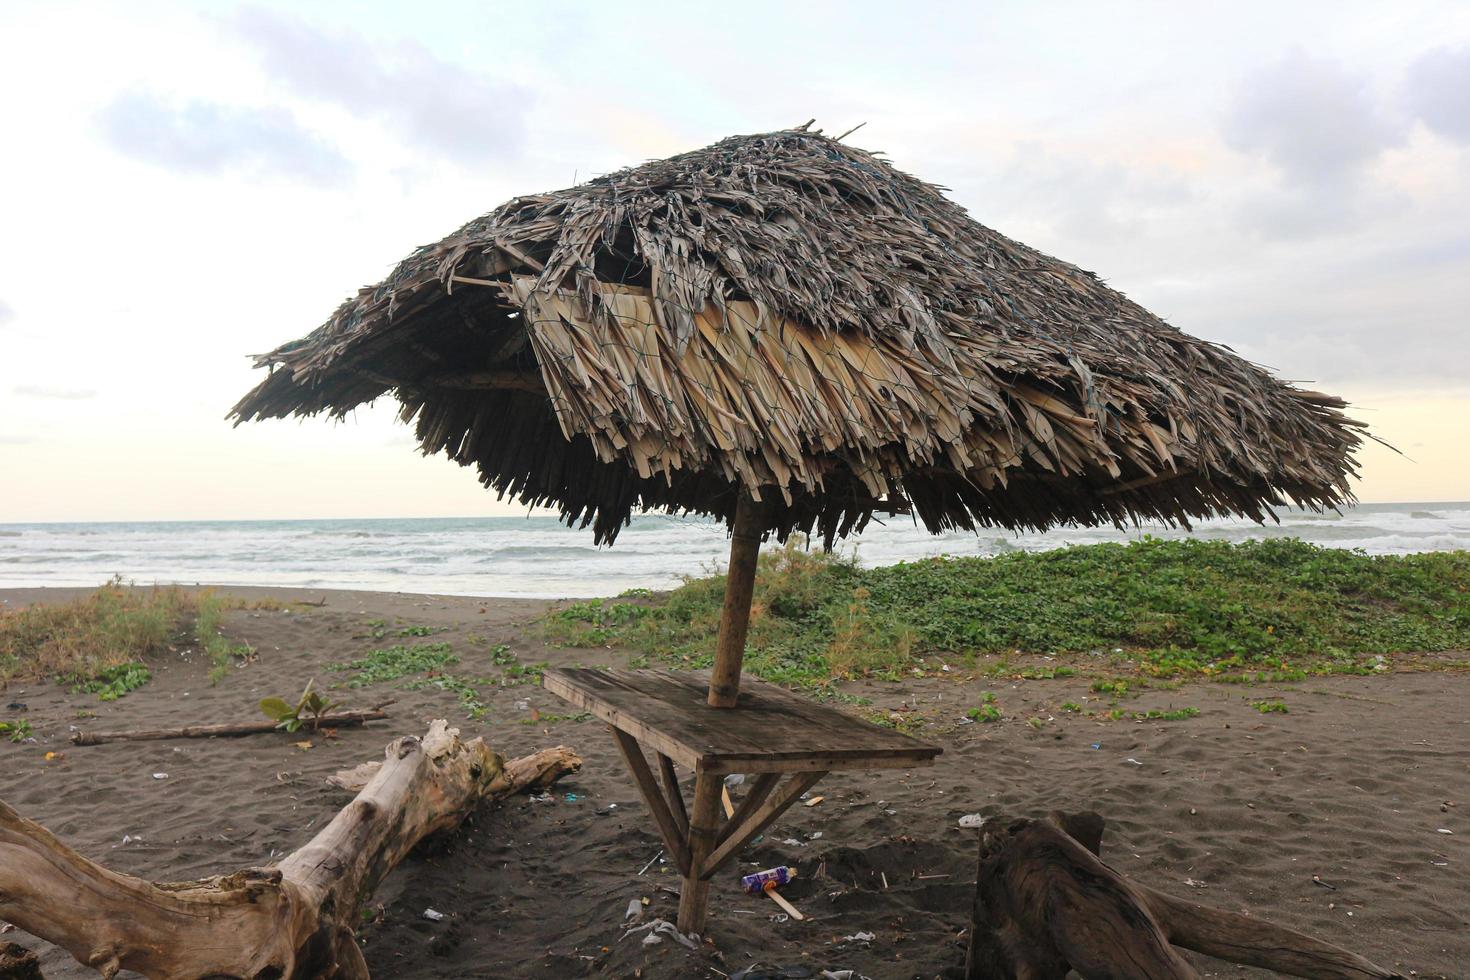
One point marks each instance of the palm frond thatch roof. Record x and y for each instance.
(789, 315)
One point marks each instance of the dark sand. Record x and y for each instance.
(1232, 808)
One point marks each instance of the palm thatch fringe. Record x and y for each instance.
(792, 317)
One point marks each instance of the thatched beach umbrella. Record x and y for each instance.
(787, 333)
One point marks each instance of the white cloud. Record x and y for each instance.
(1438, 92)
(61, 394)
(1315, 120)
(471, 116)
(210, 138)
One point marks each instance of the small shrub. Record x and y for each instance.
(1270, 707)
(16, 731)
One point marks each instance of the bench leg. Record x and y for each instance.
(704, 820)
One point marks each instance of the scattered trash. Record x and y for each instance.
(815, 800)
(1134, 761)
(656, 930)
(734, 779)
(542, 797)
(793, 842)
(1097, 745)
(1318, 881)
(523, 705)
(971, 820)
(1195, 884)
(1442, 830)
(16, 706)
(858, 937)
(814, 835)
(434, 916)
(635, 909)
(650, 862)
(160, 775)
(571, 797)
(130, 839)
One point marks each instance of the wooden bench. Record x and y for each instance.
(770, 734)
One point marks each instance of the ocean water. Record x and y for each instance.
(538, 557)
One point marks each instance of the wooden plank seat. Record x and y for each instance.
(785, 741)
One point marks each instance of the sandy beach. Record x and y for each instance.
(1363, 783)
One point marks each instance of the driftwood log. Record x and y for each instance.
(1046, 903)
(292, 921)
(342, 719)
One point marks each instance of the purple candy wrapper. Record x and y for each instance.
(761, 880)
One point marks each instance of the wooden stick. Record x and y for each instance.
(775, 896)
(294, 921)
(342, 719)
(745, 546)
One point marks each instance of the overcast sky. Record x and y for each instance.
(185, 185)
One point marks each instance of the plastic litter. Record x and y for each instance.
(571, 797)
(859, 937)
(635, 909)
(160, 775)
(972, 820)
(433, 915)
(734, 779)
(771, 878)
(542, 798)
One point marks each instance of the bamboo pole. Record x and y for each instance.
(745, 546)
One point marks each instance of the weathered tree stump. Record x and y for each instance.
(1046, 903)
(293, 921)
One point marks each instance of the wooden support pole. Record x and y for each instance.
(745, 546)
(671, 789)
(668, 827)
(704, 820)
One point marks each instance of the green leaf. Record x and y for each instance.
(276, 708)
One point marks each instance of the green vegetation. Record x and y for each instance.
(391, 663)
(468, 693)
(1174, 714)
(108, 683)
(1250, 611)
(432, 660)
(308, 710)
(1072, 707)
(100, 643)
(1270, 707)
(987, 712)
(16, 731)
(112, 627)
(221, 652)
